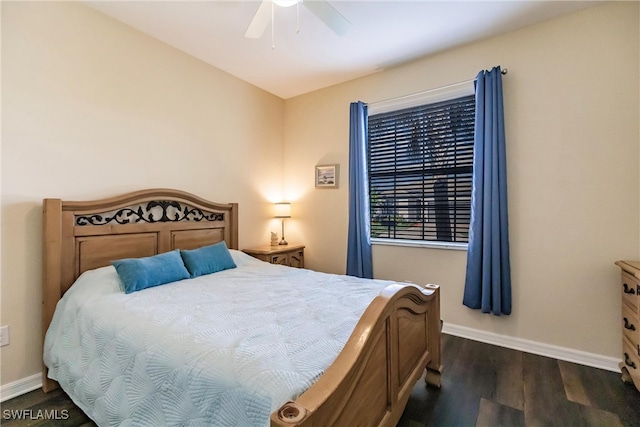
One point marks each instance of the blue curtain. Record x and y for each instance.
(488, 278)
(359, 262)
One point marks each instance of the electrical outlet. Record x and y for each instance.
(4, 336)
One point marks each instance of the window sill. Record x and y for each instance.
(420, 244)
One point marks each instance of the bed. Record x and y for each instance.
(389, 333)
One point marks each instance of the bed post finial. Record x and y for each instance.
(290, 414)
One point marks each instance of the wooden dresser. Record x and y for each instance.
(630, 286)
(289, 255)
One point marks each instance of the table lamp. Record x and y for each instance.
(282, 210)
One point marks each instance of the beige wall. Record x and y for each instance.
(92, 108)
(572, 112)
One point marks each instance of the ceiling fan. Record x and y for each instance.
(321, 8)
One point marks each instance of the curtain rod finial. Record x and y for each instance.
(504, 71)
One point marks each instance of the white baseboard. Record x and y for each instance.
(548, 350)
(20, 387)
(25, 385)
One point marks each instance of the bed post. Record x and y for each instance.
(434, 367)
(51, 271)
(234, 226)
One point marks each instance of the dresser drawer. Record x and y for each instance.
(631, 360)
(630, 319)
(630, 324)
(630, 287)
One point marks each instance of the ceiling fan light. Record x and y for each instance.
(285, 3)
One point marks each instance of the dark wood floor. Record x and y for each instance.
(485, 385)
(482, 385)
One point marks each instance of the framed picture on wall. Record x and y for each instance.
(327, 176)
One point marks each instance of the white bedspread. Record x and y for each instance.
(224, 349)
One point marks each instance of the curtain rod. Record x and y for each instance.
(504, 71)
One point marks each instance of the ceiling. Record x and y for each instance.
(383, 34)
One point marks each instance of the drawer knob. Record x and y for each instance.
(628, 290)
(628, 361)
(629, 326)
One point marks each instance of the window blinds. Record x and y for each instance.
(420, 163)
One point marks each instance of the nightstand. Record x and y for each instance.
(289, 255)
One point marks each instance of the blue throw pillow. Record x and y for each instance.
(208, 259)
(141, 273)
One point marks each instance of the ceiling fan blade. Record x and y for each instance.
(260, 21)
(329, 15)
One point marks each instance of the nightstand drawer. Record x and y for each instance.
(281, 259)
(296, 258)
(289, 255)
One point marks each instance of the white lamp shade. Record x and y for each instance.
(282, 210)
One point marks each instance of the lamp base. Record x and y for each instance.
(283, 242)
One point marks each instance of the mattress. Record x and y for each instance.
(225, 349)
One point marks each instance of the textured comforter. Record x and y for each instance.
(224, 349)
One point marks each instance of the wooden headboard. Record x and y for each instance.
(80, 236)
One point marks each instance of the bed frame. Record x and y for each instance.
(395, 341)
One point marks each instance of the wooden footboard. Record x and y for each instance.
(370, 381)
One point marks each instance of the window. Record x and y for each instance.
(420, 162)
